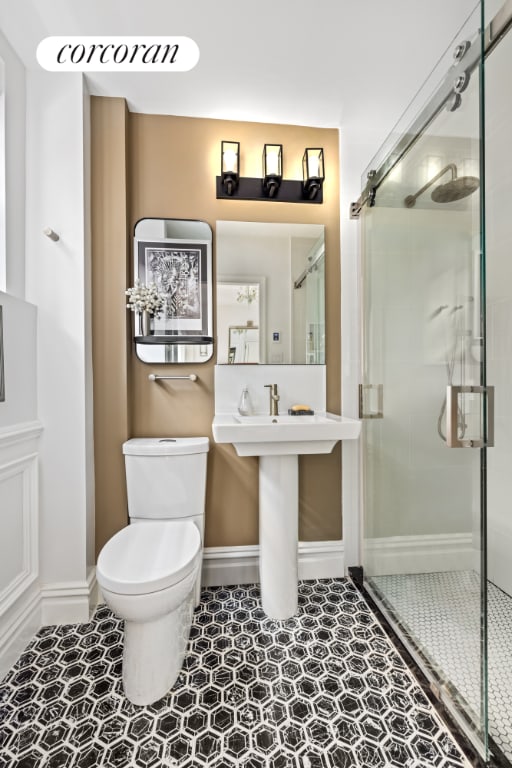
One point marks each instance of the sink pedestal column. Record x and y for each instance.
(279, 529)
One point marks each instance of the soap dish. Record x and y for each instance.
(303, 412)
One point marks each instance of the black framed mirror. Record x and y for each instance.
(173, 261)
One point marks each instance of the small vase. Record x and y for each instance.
(145, 323)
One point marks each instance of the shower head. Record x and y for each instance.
(455, 189)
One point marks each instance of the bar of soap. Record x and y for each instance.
(300, 410)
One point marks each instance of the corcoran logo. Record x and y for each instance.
(117, 54)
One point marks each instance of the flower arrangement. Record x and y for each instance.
(145, 297)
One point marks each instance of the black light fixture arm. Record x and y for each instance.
(271, 185)
(230, 184)
(290, 191)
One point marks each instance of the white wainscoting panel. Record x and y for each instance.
(18, 528)
(20, 614)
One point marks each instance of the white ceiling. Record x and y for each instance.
(331, 63)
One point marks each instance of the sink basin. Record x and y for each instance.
(278, 441)
(283, 435)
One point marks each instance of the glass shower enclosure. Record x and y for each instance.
(430, 476)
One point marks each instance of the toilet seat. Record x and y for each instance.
(148, 557)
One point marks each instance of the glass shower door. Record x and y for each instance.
(426, 408)
(499, 372)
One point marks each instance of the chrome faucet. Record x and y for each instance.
(274, 399)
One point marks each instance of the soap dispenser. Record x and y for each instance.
(245, 406)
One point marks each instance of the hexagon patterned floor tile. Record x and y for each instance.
(325, 689)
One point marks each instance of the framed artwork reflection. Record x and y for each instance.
(179, 271)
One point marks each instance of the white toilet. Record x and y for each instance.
(150, 572)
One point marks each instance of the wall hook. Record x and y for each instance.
(51, 234)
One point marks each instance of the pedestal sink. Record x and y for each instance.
(278, 441)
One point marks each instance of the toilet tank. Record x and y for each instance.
(165, 477)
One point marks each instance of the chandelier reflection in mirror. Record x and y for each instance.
(248, 293)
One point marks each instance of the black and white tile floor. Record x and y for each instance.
(448, 630)
(325, 689)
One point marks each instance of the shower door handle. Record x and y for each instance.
(455, 410)
(375, 414)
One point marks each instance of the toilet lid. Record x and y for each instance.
(147, 557)
(165, 446)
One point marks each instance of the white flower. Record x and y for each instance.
(145, 297)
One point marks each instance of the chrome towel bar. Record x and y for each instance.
(154, 377)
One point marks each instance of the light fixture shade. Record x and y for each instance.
(230, 165)
(312, 171)
(272, 168)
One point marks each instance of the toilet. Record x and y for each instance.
(150, 571)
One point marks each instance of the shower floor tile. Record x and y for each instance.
(447, 629)
(325, 689)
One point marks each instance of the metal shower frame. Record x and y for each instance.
(467, 57)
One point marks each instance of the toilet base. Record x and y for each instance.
(154, 652)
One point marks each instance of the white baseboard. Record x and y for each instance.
(230, 565)
(239, 565)
(17, 628)
(65, 603)
(321, 559)
(499, 546)
(69, 602)
(94, 591)
(419, 554)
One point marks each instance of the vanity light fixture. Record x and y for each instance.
(313, 172)
(230, 164)
(271, 186)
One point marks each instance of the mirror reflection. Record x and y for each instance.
(270, 293)
(244, 344)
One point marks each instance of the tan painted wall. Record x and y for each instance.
(171, 167)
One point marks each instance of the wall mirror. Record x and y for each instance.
(270, 293)
(176, 255)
